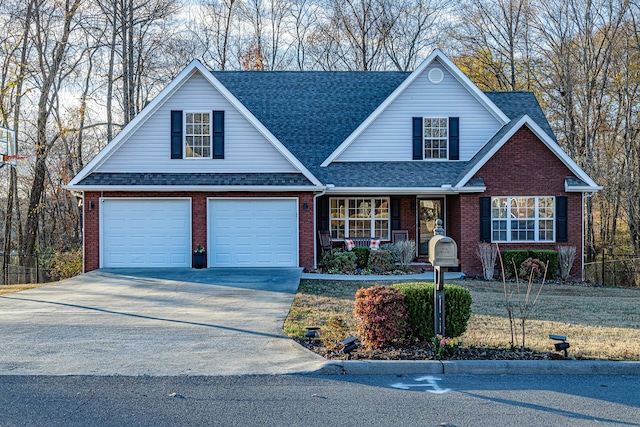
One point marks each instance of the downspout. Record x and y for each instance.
(585, 196)
(315, 223)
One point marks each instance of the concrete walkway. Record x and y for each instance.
(154, 322)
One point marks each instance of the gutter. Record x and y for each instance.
(411, 191)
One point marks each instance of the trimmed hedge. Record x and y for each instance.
(419, 300)
(362, 256)
(519, 256)
(511, 257)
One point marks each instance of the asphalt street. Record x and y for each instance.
(345, 400)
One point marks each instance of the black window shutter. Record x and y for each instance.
(561, 220)
(395, 213)
(218, 134)
(176, 134)
(323, 213)
(485, 219)
(417, 138)
(454, 138)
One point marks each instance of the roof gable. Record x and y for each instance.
(436, 57)
(107, 160)
(503, 136)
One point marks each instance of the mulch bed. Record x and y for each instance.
(422, 351)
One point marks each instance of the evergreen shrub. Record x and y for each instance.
(419, 300)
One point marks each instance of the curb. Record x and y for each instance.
(478, 367)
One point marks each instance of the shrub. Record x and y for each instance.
(419, 297)
(532, 269)
(381, 316)
(487, 254)
(547, 255)
(407, 251)
(512, 260)
(393, 252)
(339, 261)
(66, 264)
(566, 256)
(362, 256)
(380, 261)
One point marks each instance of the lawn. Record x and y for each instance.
(7, 289)
(599, 322)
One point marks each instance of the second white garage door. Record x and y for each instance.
(253, 232)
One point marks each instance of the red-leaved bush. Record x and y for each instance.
(381, 316)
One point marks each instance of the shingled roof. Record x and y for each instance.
(313, 112)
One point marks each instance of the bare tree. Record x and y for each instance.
(496, 35)
(418, 28)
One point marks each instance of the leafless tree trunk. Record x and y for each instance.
(49, 73)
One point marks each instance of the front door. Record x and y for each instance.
(429, 210)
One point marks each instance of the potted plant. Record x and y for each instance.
(199, 257)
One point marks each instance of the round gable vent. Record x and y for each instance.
(436, 76)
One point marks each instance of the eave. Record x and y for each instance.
(195, 189)
(444, 190)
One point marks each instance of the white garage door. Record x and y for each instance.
(253, 233)
(145, 233)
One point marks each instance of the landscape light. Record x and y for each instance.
(312, 332)
(349, 345)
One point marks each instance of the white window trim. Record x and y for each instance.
(184, 134)
(372, 219)
(536, 220)
(424, 139)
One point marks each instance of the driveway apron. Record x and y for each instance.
(154, 322)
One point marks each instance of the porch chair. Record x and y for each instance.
(324, 236)
(399, 236)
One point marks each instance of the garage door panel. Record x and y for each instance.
(253, 232)
(146, 233)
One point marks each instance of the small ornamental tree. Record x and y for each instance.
(381, 316)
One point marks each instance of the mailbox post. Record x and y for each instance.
(443, 253)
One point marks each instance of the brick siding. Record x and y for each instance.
(199, 220)
(524, 166)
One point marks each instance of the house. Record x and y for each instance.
(250, 165)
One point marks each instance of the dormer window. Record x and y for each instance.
(436, 138)
(197, 134)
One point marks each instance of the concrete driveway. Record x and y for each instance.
(154, 322)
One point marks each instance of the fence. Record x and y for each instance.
(614, 270)
(32, 269)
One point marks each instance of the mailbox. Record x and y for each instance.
(443, 252)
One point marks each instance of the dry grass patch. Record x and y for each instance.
(601, 323)
(7, 289)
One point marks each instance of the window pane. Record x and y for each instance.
(197, 135)
(337, 214)
(545, 230)
(499, 207)
(545, 207)
(435, 138)
(499, 230)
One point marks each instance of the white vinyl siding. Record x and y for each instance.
(149, 148)
(389, 137)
